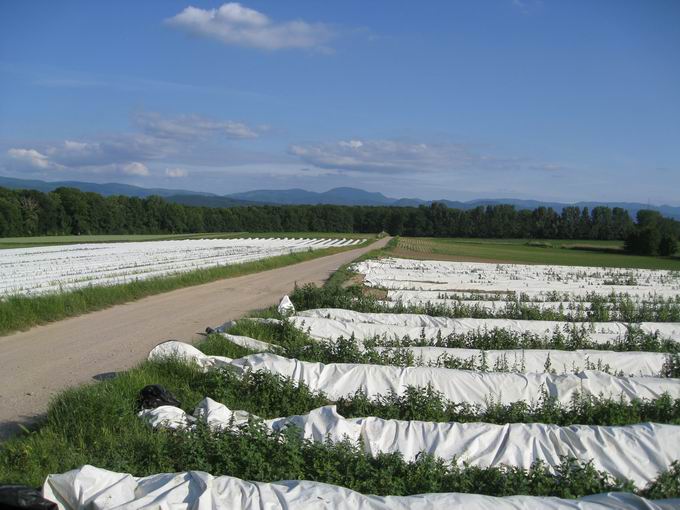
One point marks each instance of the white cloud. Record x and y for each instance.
(113, 149)
(135, 168)
(235, 24)
(158, 138)
(30, 157)
(175, 172)
(388, 156)
(187, 127)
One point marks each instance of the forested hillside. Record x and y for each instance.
(70, 211)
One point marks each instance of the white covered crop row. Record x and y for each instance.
(99, 489)
(40, 270)
(632, 363)
(536, 281)
(332, 323)
(638, 453)
(481, 304)
(635, 363)
(337, 380)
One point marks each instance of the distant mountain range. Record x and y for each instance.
(335, 196)
(111, 188)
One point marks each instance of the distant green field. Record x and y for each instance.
(27, 242)
(530, 251)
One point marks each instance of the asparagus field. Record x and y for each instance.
(44, 270)
(360, 387)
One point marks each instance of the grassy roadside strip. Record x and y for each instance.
(21, 312)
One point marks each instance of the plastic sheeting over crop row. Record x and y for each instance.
(42, 270)
(632, 363)
(98, 489)
(533, 280)
(638, 453)
(332, 323)
(414, 298)
(642, 364)
(338, 380)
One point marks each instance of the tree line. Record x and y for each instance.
(71, 211)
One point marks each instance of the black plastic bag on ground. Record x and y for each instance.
(25, 498)
(155, 395)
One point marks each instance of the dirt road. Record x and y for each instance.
(36, 364)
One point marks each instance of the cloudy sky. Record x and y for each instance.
(554, 100)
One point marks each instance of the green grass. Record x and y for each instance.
(21, 312)
(97, 424)
(28, 242)
(525, 251)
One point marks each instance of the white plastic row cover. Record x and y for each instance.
(638, 453)
(40, 270)
(534, 280)
(98, 489)
(331, 323)
(632, 363)
(338, 380)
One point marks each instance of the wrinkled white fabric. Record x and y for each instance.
(337, 380)
(533, 280)
(631, 363)
(318, 425)
(635, 452)
(188, 353)
(331, 323)
(170, 417)
(251, 343)
(97, 489)
(342, 379)
(286, 306)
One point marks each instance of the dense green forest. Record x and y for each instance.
(70, 211)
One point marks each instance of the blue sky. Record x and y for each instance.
(569, 100)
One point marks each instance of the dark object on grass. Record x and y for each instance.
(155, 395)
(210, 330)
(26, 498)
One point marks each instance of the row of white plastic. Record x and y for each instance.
(40, 270)
(322, 324)
(638, 453)
(98, 489)
(331, 323)
(534, 280)
(337, 380)
(632, 363)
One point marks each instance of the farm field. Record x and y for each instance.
(524, 251)
(132, 270)
(44, 270)
(276, 397)
(25, 242)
